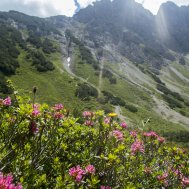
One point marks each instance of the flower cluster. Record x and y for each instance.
(137, 146)
(107, 120)
(36, 111)
(6, 182)
(90, 169)
(133, 134)
(6, 102)
(58, 107)
(58, 115)
(118, 135)
(77, 172)
(163, 176)
(154, 135)
(150, 134)
(123, 125)
(179, 174)
(89, 123)
(105, 187)
(185, 181)
(88, 116)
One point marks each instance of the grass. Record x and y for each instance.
(184, 70)
(53, 86)
(84, 70)
(57, 86)
(132, 95)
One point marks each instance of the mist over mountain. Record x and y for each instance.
(175, 23)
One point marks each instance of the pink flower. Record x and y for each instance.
(177, 172)
(118, 134)
(58, 107)
(58, 115)
(166, 183)
(90, 169)
(89, 123)
(137, 146)
(77, 173)
(161, 139)
(133, 134)
(36, 106)
(87, 114)
(7, 101)
(35, 112)
(6, 182)
(150, 134)
(105, 187)
(78, 178)
(162, 177)
(185, 181)
(107, 120)
(123, 125)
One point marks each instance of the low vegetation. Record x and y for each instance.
(38, 60)
(85, 91)
(46, 147)
(108, 74)
(109, 97)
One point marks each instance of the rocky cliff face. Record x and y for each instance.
(173, 26)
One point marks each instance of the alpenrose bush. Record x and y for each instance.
(46, 147)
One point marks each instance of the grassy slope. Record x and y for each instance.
(53, 86)
(57, 86)
(176, 82)
(133, 95)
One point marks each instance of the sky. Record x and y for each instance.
(45, 8)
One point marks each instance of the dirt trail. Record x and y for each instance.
(101, 73)
(119, 113)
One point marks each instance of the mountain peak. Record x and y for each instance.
(169, 5)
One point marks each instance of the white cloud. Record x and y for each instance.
(41, 8)
(153, 5)
(85, 3)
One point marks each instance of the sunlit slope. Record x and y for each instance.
(135, 88)
(52, 86)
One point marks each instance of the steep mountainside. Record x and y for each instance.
(173, 24)
(128, 26)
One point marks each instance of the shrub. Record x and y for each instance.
(172, 102)
(183, 112)
(84, 91)
(182, 61)
(131, 108)
(167, 91)
(112, 99)
(46, 147)
(40, 61)
(47, 46)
